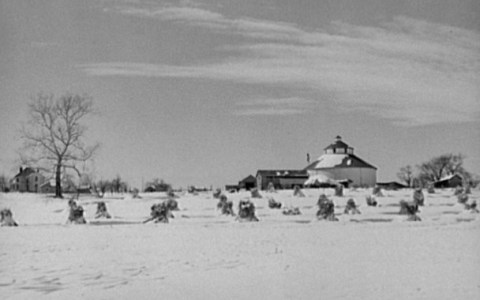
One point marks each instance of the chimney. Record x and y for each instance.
(21, 169)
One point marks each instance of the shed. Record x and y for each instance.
(281, 179)
(450, 181)
(248, 183)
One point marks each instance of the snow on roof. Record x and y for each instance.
(327, 161)
(318, 178)
(448, 177)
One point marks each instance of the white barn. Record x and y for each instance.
(339, 163)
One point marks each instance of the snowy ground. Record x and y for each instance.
(201, 255)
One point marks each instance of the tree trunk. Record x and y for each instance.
(58, 180)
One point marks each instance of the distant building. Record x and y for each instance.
(450, 181)
(247, 183)
(232, 188)
(340, 164)
(47, 187)
(392, 185)
(27, 180)
(281, 179)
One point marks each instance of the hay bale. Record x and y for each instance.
(76, 213)
(418, 197)
(273, 204)
(377, 191)
(255, 193)
(351, 207)
(297, 192)
(371, 201)
(102, 211)
(468, 189)
(472, 207)
(339, 190)
(217, 194)
(6, 218)
(326, 209)
(225, 206)
(271, 188)
(135, 194)
(246, 211)
(458, 190)
(408, 208)
(171, 194)
(462, 198)
(160, 213)
(172, 204)
(430, 189)
(291, 211)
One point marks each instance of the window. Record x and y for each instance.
(340, 150)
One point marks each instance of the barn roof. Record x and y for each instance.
(249, 178)
(449, 177)
(283, 173)
(329, 161)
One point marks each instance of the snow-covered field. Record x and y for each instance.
(201, 255)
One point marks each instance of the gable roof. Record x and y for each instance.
(249, 178)
(25, 172)
(283, 173)
(449, 177)
(329, 161)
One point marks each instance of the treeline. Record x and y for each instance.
(436, 169)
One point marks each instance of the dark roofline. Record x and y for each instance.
(25, 172)
(249, 177)
(337, 144)
(367, 165)
(274, 172)
(447, 179)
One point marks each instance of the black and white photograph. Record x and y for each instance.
(239, 149)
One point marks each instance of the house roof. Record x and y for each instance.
(25, 172)
(329, 161)
(283, 173)
(249, 178)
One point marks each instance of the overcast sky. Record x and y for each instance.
(207, 92)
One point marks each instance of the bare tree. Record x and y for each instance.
(441, 166)
(406, 175)
(54, 134)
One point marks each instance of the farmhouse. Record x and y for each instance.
(27, 180)
(281, 179)
(340, 164)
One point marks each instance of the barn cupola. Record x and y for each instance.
(338, 147)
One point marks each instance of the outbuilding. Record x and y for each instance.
(247, 183)
(450, 181)
(281, 179)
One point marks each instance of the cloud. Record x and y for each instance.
(273, 106)
(409, 71)
(199, 17)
